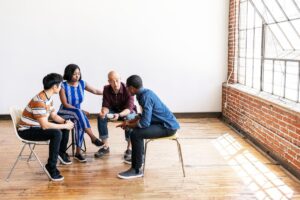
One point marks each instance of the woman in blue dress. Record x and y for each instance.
(71, 96)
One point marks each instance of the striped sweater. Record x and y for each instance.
(39, 106)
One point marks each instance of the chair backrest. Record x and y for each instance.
(16, 113)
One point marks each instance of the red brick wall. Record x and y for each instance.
(275, 128)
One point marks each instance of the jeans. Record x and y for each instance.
(58, 141)
(137, 141)
(102, 125)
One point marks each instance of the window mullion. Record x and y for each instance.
(298, 89)
(284, 79)
(262, 57)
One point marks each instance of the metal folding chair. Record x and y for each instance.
(73, 143)
(15, 114)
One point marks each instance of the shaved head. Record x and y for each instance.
(113, 75)
(114, 80)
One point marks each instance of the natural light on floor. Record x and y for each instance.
(255, 175)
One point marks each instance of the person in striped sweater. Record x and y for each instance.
(35, 125)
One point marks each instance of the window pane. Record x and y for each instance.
(243, 15)
(296, 24)
(263, 11)
(275, 10)
(257, 43)
(251, 16)
(250, 43)
(279, 34)
(278, 78)
(249, 69)
(272, 47)
(292, 78)
(291, 34)
(290, 8)
(241, 70)
(298, 3)
(268, 76)
(242, 43)
(256, 74)
(258, 20)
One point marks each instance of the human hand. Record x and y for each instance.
(122, 125)
(102, 115)
(116, 117)
(69, 124)
(86, 113)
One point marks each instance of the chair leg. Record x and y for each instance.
(73, 142)
(180, 156)
(145, 153)
(32, 151)
(18, 158)
(30, 156)
(84, 148)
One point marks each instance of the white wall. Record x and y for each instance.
(179, 47)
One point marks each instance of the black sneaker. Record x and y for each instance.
(53, 174)
(102, 152)
(80, 158)
(131, 173)
(64, 159)
(127, 154)
(98, 143)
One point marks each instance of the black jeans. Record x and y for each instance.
(137, 141)
(58, 141)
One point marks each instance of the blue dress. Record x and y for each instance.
(75, 96)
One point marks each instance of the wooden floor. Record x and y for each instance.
(219, 164)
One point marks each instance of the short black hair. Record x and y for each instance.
(52, 79)
(134, 81)
(69, 71)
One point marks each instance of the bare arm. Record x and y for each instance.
(57, 118)
(45, 124)
(63, 99)
(93, 90)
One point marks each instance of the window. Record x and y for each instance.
(269, 46)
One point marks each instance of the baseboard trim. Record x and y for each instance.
(262, 148)
(5, 117)
(198, 115)
(178, 115)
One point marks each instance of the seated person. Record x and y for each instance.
(34, 124)
(118, 102)
(156, 121)
(71, 96)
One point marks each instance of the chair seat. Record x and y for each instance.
(36, 142)
(172, 137)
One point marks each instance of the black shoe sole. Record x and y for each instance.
(82, 161)
(101, 156)
(52, 179)
(64, 162)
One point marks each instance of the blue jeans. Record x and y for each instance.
(137, 141)
(102, 125)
